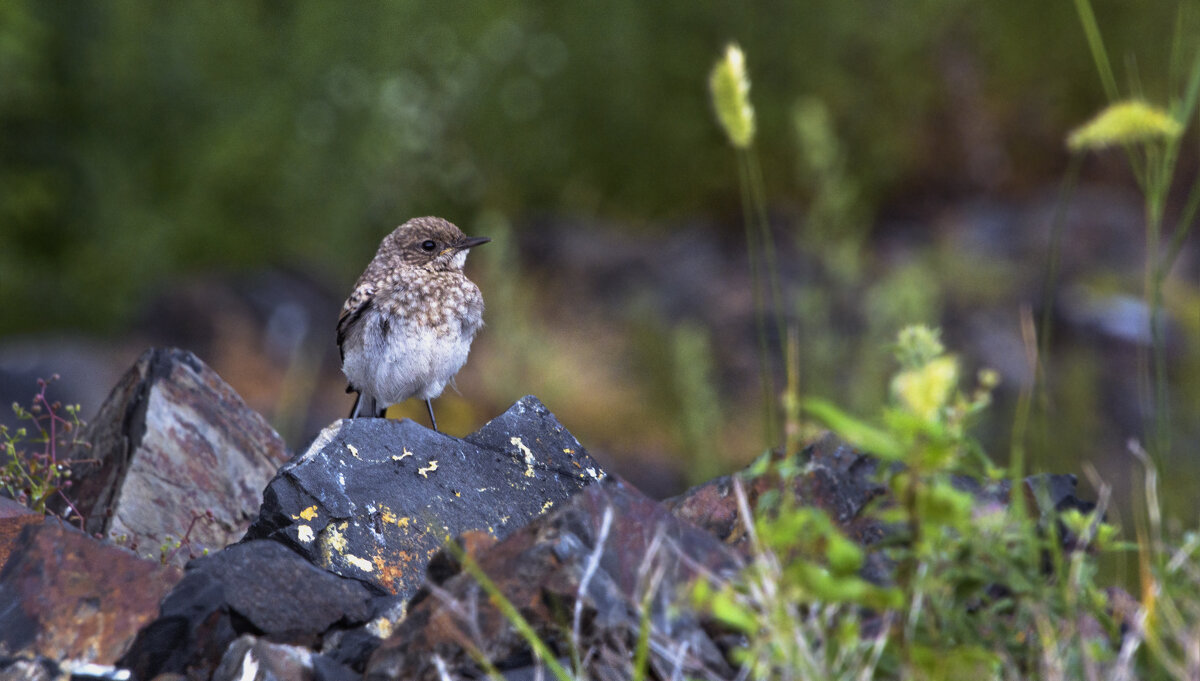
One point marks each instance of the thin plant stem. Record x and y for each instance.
(1096, 44)
(774, 291)
(756, 251)
(540, 648)
(794, 398)
(1182, 228)
(768, 243)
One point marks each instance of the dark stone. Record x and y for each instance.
(67, 596)
(258, 587)
(641, 553)
(373, 499)
(831, 476)
(172, 442)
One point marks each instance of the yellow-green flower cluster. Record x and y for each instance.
(730, 88)
(928, 379)
(927, 390)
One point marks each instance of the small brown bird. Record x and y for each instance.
(407, 328)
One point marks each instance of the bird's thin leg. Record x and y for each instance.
(431, 418)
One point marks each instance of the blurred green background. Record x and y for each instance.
(216, 175)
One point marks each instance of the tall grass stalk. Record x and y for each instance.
(1152, 142)
(729, 86)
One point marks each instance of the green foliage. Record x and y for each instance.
(137, 141)
(969, 593)
(36, 477)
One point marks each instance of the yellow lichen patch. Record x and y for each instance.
(308, 513)
(332, 540)
(389, 517)
(426, 470)
(353, 450)
(304, 533)
(334, 537)
(568, 450)
(403, 521)
(546, 506)
(528, 454)
(360, 563)
(458, 494)
(402, 456)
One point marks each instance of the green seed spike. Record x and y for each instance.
(730, 89)
(1128, 122)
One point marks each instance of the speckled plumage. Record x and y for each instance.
(407, 327)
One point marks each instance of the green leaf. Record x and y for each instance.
(845, 557)
(858, 433)
(960, 662)
(729, 611)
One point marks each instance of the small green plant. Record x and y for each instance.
(975, 589)
(800, 602)
(172, 546)
(35, 477)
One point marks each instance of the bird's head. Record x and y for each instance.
(431, 243)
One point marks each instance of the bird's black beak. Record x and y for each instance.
(471, 242)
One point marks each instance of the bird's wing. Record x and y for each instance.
(356, 306)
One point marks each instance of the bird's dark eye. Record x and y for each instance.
(428, 246)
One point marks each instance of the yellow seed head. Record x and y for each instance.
(730, 88)
(1129, 122)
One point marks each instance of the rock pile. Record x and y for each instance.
(340, 569)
